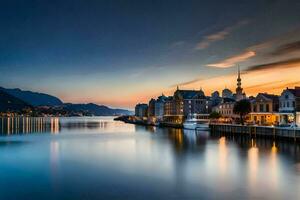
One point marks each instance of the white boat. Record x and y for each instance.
(197, 122)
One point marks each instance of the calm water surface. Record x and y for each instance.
(97, 158)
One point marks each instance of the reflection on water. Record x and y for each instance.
(253, 164)
(54, 125)
(96, 157)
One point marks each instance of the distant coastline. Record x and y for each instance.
(16, 102)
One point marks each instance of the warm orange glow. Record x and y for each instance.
(229, 62)
(253, 82)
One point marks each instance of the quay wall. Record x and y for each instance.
(257, 131)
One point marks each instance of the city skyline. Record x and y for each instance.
(121, 53)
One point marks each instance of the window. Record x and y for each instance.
(267, 108)
(262, 119)
(288, 104)
(294, 104)
(261, 107)
(254, 108)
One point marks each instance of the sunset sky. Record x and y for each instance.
(119, 52)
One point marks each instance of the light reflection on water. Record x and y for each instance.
(23, 125)
(96, 157)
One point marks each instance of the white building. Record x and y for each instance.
(289, 106)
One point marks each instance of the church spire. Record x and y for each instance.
(239, 80)
(239, 72)
(239, 89)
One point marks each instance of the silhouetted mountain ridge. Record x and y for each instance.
(94, 109)
(17, 99)
(11, 103)
(33, 98)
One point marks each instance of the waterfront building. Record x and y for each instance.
(151, 108)
(159, 107)
(170, 116)
(289, 106)
(169, 106)
(184, 103)
(141, 110)
(151, 112)
(264, 109)
(156, 109)
(225, 108)
(189, 102)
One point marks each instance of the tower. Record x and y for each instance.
(239, 90)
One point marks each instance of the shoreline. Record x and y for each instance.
(130, 120)
(231, 129)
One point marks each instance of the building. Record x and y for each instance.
(184, 103)
(225, 108)
(141, 110)
(215, 98)
(264, 109)
(159, 107)
(226, 93)
(189, 102)
(289, 106)
(169, 106)
(151, 108)
(156, 109)
(170, 116)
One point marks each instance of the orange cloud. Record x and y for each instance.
(229, 62)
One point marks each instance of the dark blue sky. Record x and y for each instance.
(113, 51)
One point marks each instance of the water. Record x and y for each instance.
(98, 158)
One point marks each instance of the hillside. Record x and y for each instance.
(94, 109)
(11, 103)
(16, 99)
(33, 98)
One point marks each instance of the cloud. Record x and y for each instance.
(275, 65)
(281, 40)
(221, 35)
(231, 61)
(287, 48)
(177, 44)
(186, 83)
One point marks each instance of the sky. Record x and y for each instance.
(122, 52)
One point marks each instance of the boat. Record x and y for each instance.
(197, 122)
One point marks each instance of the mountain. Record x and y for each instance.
(17, 99)
(33, 98)
(94, 109)
(11, 103)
